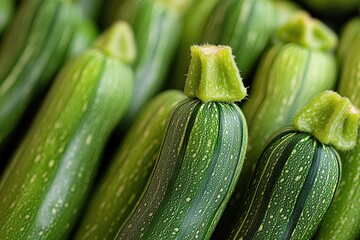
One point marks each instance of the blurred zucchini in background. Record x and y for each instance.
(7, 9)
(246, 26)
(349, 34)
(157, 25)
(284, 10)
(201, 154)
(298, 171)
(122, 184)
(90, 8)
(45, 185)
(84, 37)
(290, 74)
(119, 9)
(194, 23)
(33, 49)
(342, 221)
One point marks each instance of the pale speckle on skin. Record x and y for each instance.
(188, 199)
(37, 158)
(89, 139)
(261, 227)
(51, 163)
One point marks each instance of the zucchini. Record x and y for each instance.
(284, 10)
(246, 26)
(289, 75)
(200, 157)
(90, 8)
(157, 26)
(194, 23)
(83, 38)
(342, 221)
(349, 33)
(49, 176)
(298, 171)
(32, 51)
(121, 185)
(6, 13)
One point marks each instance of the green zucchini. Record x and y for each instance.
(200, 157)
(284, 10)
(32, 51)
(83, 38)
(298, 172)
(194, 24)
(246, 26)
(49, 176)
(90, 8)
(289, 75)
(342, 221)
(122, 184)
(6, 13)
(157, 26)
(349, 33)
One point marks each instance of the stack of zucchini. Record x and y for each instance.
(180, 119)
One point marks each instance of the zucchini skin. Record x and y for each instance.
(83, 38)
(124, 181)
(342, 221)
(289, 77)
(157, 30)
(6, 13)
(48, 179)
(90, 8)
(246, 26)
(349, 34)
(204, 145)
(292, 187)
(194, 24)
(32, 51)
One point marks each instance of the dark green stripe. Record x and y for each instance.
(78, 129)
(179, 159)
(272, 183)
(209, 172)
(241, 125)
(42, 48)
(305, 191)
(21, 50)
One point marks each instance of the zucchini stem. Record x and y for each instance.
(213, 75)
(332, 119)
(118, 41)
(307, 32)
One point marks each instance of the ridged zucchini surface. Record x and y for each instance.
(342, 221)
(122, 184)
(157, 27)
(199, 162)
(49, 176)
(292, 188)
(32, 51)
(246, 26)
(289, 75)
